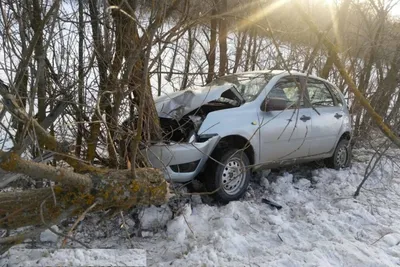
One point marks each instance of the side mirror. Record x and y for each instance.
(273, 104)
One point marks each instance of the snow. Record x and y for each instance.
(76, 257)
(154, 218)
(49, 236)
(320, 223)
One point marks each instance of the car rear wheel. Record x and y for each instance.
(341, 158)
(228, 178)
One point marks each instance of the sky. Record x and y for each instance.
(396, 10)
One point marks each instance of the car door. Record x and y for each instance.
(327, 117)
(284, 133)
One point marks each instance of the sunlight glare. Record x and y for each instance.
(264, 12)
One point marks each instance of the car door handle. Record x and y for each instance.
(338, 116)
(305, 118)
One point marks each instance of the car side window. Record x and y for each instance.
(287, 89)
(336, 95)
(318, 94)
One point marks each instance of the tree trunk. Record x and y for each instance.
(380, 101)
(159, 74)
(191, 36)
(213, 46)
(172, 65)
(340, 21)
(222, 36)
(40, 60)
(81, 83)
(22, 84)
(248, 52)
(254, 52)
(102, 68)
(239, 50)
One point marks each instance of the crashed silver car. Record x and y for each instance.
(242, 123)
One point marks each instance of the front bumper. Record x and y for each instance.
(168, 158)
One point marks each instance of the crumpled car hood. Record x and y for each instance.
(178, 104)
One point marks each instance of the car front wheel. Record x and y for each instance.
(341, 158)
(228, 175)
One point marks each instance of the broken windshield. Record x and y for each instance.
(249, 85)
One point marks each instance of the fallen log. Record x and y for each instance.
(111, 189)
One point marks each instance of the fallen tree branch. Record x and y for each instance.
(113, 189)
(12, 162)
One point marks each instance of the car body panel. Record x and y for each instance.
(328, 129)
(284, 136)
(325, 129)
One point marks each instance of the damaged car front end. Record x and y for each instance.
(184, 151)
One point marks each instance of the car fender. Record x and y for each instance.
(240, 121)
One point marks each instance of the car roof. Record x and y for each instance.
(281, 72)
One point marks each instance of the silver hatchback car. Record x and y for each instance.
(242, 123)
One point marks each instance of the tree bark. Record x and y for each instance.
(81, 82)
(213, 46)
(222, 36)
(248, 52)
(102, 68)
(112, 189)
(22, 86)
(191, 37)
(40, 60)
(254, 53)
(239, 50)
(172, 65)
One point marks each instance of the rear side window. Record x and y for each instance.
(318, 94)
(336, 95)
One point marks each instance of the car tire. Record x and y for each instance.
(341, 158)
(226, 166)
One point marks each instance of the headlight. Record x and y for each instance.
(205, 137)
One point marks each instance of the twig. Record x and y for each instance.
(280, 238)
(55, 232)
(373, 243)
(125, 228)
(80, 218)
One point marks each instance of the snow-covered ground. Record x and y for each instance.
(320, 223)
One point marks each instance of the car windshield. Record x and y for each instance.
(249, 85)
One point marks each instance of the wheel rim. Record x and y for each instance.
(233, 176)
(341, 157)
